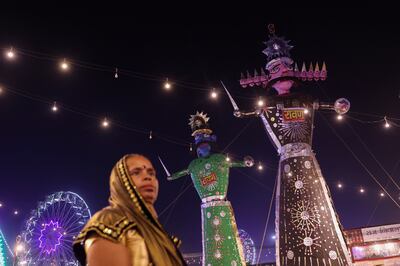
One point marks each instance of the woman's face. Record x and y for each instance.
(144, 177)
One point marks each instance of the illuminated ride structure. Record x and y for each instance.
(49, 232)
(6, 253)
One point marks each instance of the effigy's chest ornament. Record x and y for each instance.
(308, 230)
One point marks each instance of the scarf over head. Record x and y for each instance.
(128, 211)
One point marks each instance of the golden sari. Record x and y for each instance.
(129, 222)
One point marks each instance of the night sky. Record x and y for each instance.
(42, 152)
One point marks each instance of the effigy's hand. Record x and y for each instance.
(237, 113)
(248, 161)
(341, 106)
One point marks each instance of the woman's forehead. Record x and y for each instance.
(138, 161)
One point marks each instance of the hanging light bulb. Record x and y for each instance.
(151, 135)
(16, 212)
(54, 108)
(227, 158)
(191, 147)
(1, 90)
(387, 125)
(339, 117)
(382, 194)
(260, 102)
(10, 53)
(1, 204)
(306, 111)
(260, 167)
(105, 123)
(339, 185)
(167, 85)
(64, 65)
(214, 94)
(116, 73)
(362, 190)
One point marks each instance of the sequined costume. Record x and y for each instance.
(210, 176)
(129, 222)
(308, 231)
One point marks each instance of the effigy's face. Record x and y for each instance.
(280, 68)
(203, 150)
(277, 69)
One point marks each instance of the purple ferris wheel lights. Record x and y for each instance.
(50, 237)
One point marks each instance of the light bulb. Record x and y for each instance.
(10, 53)
(214, 94)
(167, 85)
(105, 123)
(54, 108)
(64, 65)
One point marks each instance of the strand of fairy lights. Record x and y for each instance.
(105, 123)
(65, 65)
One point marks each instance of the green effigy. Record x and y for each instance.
(210, 176)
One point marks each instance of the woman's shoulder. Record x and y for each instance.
(109, 223)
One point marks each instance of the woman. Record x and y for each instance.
(127, 232)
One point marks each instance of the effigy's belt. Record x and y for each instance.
(295, 150)
(213, 198)
(214, 203)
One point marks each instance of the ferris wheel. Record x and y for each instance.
(50, 231)
(249, 249)
(5, 251)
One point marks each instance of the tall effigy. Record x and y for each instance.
(308, 231)
(210, 175)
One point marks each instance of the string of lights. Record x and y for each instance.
(106, 122)
(65, 65)
(361, 163)
(373, 156)
(4, 206)
(369, 151)
(360, 189)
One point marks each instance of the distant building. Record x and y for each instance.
(375, 246)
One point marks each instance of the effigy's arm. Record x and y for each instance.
(247, 162)
(236, 111)
(178, 174)
(242, 114)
